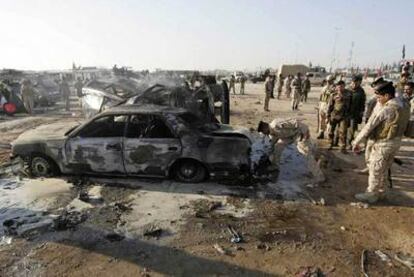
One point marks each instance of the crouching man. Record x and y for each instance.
(384, 129)
(284, 132)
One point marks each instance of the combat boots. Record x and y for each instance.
(321, 135)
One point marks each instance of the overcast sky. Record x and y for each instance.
(202, 34)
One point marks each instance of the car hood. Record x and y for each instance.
(54, 131)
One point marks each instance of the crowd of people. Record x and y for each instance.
(295, 88)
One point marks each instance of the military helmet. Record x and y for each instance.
(330, 77)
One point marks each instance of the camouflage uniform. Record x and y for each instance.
(279, 86)
(306, 86)
(287, 83)
(65, 91)
(27, 94)
(338, 115)
(269, 86)
(384, 130)
(232, 84)
(296, 86)
(242, 82)
(323, 107)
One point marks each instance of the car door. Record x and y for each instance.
(97, 147)
(150, 146)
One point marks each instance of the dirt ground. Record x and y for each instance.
(129, 227)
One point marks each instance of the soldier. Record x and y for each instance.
(279, 85)
(357, 106)
(286, 84)
(27, 94)
(296, 86)
(269, 86)
(323, 104)
(385, 129)
(78, 87)
(371, 110)
(232, 84)
(242, 82)
(408, 95)
(338, 114)
(306, 87)
(65, 91)
(401, 83)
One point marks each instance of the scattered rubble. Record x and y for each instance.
(406, 260)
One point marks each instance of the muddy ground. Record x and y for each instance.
(130, 227)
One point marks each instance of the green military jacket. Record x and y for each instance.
(339, 105)
(357, 104)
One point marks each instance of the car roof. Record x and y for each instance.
(143, 108)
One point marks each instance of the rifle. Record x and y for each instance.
(317, 119)
(400, 163)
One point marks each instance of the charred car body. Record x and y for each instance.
(138, 140)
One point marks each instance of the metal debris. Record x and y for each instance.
(68, 220)
(384, 257)
(360, 205)
(235, 237)
(406, 260)
(364, 262)
(220, 249)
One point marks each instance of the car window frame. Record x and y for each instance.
(160, 116)
(75, 133)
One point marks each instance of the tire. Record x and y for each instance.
(189, 171)
(42, 166)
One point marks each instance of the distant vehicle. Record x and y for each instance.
(316, 78)
(143, 140)
(292, 69)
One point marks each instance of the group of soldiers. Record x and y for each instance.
(232, 84)
(27, 92)
(341, 111)
(295, 88)
(386, 122)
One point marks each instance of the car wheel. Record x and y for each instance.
(42, 166)
(190, 172)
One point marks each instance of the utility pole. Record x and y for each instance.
(350, 56)
(333, 60)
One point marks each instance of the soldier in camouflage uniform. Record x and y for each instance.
(384, 129)
(279, 85)
(287, 83)
(306, 86)
(357, 106)
(27, 94)
(401, 83)
(338, 113)
(269, 86)
(323, 104)
(296, 87)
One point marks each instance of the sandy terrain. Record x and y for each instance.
(129, 227)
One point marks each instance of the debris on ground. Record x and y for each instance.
(364, 260)
(220, 249)
(310, 272)
(406, 260)
(26, 226)
(68, 220)
(5, 240)
(235, 237)
(152, 231)
(384, 257)
(360, 205)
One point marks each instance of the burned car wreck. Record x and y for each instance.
(139, 140)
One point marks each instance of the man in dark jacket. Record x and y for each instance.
(357, 107)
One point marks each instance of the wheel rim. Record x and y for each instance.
(188, 170)
(40, 166)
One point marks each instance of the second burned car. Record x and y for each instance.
(138, 140)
